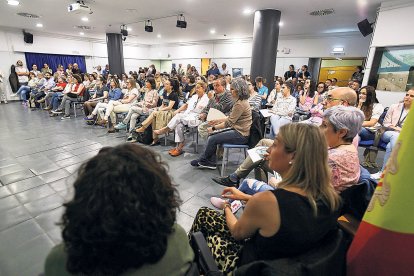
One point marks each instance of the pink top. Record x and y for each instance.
(345, 168)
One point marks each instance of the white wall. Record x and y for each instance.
(12, 48)
(237, 54)
(390, 31)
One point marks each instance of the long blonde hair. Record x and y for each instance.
(309, 170)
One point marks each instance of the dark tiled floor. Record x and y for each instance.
(38, 158)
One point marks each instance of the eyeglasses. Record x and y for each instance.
(321, 87)
(330, 99)
(409, 95)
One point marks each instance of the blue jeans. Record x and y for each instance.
(230, 137)
(277, 122)
(22, 92)
(389, 137)
(252, 186)
(55, 100)
(366, 135)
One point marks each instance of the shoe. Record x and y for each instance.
(155, 143)
(194, 163)
(207, 165)
(131, 139)
(6, 102)
(176, 152)
(121, 126)
(41, 100)
(65, 117)
(171, 150)
(47, 108)
(225, 181)
(112, 130)
(217, 202)
(53, 115)
(87, 118)
(57, 111)
(376, 176)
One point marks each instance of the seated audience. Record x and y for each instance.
(276, 92)
(393, 123)
(309, 97)
(100, 94)
(144, 107)
(369, 104)
(255, 100)
(186, 115)
(239, 122)
(73, 96)
(54, 102)
(164, 114)
(283, 110)
(260, 233)
(316, 115)
(58, 89)
(340, 125)
(115, 93)
(122, 219)
(262, 89)
(24, 90)
(45, 88)
(131, 96)
(219, 99)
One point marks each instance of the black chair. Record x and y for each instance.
(326, 259)
(356, 198)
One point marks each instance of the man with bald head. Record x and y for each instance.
(340, 96)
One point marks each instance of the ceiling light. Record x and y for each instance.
(212, 31)
(247, 11)
(281, 23)
(13, 2)
(85, 19)
(82, 33)
(39, 25)
(159, 35)
(338, 49)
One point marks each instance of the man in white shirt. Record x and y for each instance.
(34, 70)
(22, 73)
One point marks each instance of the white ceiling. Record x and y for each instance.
(225, 16)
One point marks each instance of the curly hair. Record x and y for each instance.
(122, 213)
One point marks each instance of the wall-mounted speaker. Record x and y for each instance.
(365, 27)
(28, 37)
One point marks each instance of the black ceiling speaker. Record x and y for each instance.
(181, 23)
(124, 30)
(365, 27)
(148, 26)
(28, 37)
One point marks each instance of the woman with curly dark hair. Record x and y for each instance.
(122, 219)
(369, 104)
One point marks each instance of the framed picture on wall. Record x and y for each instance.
(237, 72)
(393, 69)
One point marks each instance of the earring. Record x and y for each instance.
(290, 162)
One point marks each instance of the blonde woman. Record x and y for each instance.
(296, 151)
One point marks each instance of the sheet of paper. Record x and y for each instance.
(257, 153)
(266, 112)
(215, 114)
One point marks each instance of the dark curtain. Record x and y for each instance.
(53, 61)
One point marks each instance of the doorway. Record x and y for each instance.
(339, 69)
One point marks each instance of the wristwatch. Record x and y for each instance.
(213, 128)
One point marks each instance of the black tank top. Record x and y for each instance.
(300, 229)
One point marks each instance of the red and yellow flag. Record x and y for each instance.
(384, 242)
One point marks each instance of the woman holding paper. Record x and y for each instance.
(238, 124)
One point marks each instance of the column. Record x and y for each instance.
(115, 53)
(264, 47)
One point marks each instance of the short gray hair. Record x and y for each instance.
(345, 117)
(240, 85)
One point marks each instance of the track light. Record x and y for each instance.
(181, 23)
(124, 30)
(148, 26)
